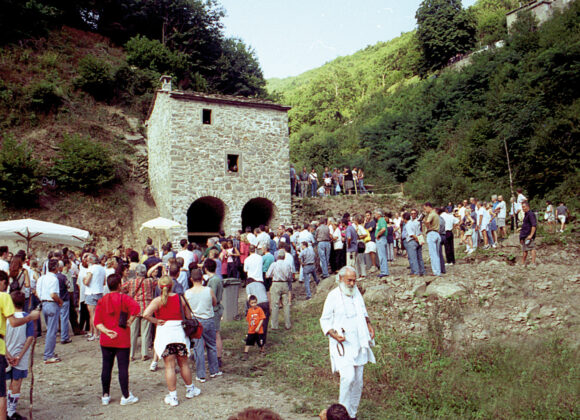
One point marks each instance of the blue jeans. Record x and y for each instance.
(64, 317)
(434, 243)
(475, 238)
(324, 255)
(490, 236)
(309, 270)
(415, 256)
(382, 253)
(50, 310)
(313, 188)
(207, 340)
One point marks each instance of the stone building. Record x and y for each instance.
(218, 162)
(541, 9)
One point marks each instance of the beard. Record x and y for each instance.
(348, 291)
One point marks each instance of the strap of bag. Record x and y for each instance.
(137, 289)
(181, 307)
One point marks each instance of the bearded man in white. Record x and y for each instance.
(350, 334)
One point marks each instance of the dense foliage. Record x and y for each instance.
(185, 37)
(83, 164)
(19, 184)
(446, 135)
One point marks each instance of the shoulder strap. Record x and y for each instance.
(181, 306)
(137, 289)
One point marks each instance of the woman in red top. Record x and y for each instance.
(115, 340)
(170, 341)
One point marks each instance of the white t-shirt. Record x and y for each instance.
(82, 287)
(15, 339)
(252, 239)
(305, 236)
(188, 257)
(263, 240)
(521, 199)
(4, 266)
(97, 284)
(253, 266)
(485, 219)
(337, 239)
(502, 209)
(449, 220)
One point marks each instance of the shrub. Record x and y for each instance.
(95, 78)
(83, 164)
(43, 96)
(19, 186)
(151, 54)
(131, 82)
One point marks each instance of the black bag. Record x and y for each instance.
(360, 247)
(15, 285)
(192, 327)
(123, 316)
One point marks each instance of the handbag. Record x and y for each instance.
(192, 327)
(361, 247)
(123, 316)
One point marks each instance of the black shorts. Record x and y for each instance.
(177, 349)
(268, 283)
(252, 339)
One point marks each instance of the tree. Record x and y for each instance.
(19, 184)
(444, 29)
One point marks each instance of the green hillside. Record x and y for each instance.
(444, 132)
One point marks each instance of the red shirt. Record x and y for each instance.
(107, 313)
(254, 316)
(171, 311)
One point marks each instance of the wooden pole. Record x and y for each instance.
(507, 155)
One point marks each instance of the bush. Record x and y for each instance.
(151, 54)
(95, 78)
(44, 96)
(83, 164)
(19, 186)
(131, 83)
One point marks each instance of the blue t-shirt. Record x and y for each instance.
(353, 235)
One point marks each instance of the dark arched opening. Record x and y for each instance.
(256, 212)
(205, 218)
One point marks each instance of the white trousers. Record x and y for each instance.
(351, 386)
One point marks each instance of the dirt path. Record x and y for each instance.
(72, 389)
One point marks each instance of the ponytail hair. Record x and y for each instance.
(165, 284)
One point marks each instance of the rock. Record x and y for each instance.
(445, 290)
(533, 311)
(419, 289)
(135, 139)
(378, 293)
(326, 285)
(546, 312)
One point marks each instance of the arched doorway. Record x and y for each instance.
(205, 218)
(258, 211)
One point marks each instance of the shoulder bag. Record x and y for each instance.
(192, 327)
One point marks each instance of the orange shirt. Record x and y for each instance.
(255, 315)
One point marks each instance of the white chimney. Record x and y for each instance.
(165, 83)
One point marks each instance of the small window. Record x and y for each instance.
(206, 116)
(233, 164)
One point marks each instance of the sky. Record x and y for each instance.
(292, 36)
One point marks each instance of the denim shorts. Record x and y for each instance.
(16, 374)
(92, 300)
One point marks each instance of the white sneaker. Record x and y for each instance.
(105, 400)
(192, 391)
(153, 366)
(92, 338)
(129, 400)
(171, 400)
(213, 375)
(202, 380)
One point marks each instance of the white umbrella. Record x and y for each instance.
(160, 223)
(39, 231)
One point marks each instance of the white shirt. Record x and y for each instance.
(188, 257)
(82, 287)
(46, 286)
(252, 239)
(263, 240)
(4, 266)
(305, 236)
(15, 339)
(449, 220)
(289, 259)
(485, 217)
(521, 199)
(502, 209)
(253, 267)
(337, 239)
(97, 284)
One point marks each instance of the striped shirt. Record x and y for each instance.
(144, 295)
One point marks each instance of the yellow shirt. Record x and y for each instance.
(6, 311)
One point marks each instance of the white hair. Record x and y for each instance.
(343, 270)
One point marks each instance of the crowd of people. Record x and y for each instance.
(133, 303)
(334, 182)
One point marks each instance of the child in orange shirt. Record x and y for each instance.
(255, 318)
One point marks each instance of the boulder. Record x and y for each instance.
(419, 289)
(445, 290)
(379, 293)
(533, 311)
(326, 285)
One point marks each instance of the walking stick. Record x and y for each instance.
(32, 373)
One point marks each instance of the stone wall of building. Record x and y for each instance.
(188, 159)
